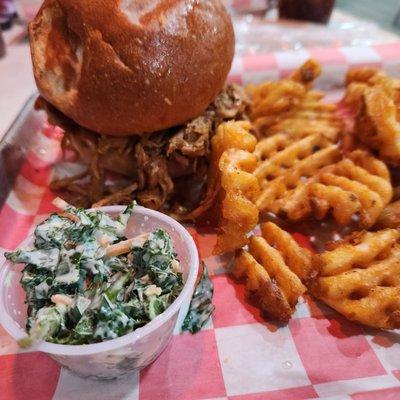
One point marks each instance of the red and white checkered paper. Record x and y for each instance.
(238, 355)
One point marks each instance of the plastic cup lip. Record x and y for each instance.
(129, 339)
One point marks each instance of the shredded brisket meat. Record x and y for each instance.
(162, 170)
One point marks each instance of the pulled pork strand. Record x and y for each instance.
(165, 170)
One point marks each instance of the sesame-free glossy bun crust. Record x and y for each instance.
(122, 67)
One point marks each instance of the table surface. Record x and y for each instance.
(266, 362)
(17, 82)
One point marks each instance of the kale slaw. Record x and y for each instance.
(80, 284)
(86, 282)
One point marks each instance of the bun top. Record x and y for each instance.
(122, 67)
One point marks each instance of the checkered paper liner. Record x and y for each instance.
(238, 355)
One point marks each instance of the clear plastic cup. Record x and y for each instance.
(117, 357)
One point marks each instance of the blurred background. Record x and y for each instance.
(262, 27)
(385, 12)
(270, 23)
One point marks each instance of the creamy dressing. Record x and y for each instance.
(78, 294)
(41, 290)
(47, 259)
(201, 306)
(70, 277)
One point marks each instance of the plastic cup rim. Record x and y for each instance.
(17, 333)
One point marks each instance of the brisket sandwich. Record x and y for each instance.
(138, 86)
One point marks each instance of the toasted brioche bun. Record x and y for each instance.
(123, 67)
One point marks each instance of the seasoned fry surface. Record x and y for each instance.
(304, 171)
(232, 187)
(274, 266)
(297, 258)
(360, 278)
(310, 177)
(261, 287)
(240, 188)
(229, 135)
(290, 106)
(390, 217)
(374, 98)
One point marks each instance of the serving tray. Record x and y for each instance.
(239, 354)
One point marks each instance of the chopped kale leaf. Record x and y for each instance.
(76, 294)
(201, 306)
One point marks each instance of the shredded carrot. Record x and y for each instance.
(61, 299)
(119, 248)
(126, 245)
(104, 240)
(70, 216)
(60, 203)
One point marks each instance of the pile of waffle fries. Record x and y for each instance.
(298, 159)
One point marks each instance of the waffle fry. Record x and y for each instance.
(289, 106)
(377, 124)
(286, 166)
(307, 73)
(310, 177)
(297, 258)
(372, 77)
(269, 267)
(308, 118)
(232, 188)
(239, 214)
(374, 98)
(232, 135)
(229, 135)
(390, 216)
(360, 278)
(350, 190)
(276, 97)
(353, 96)
(358, 81)
(360, 75)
